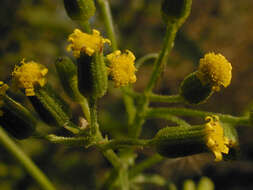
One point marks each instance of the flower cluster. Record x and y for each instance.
(88, 43)
(215, 139)
(121, 67)
(29, 74)
(214, 69)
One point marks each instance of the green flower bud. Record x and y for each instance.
(67, 72)
(189, 185)
(184, 141)
(16, 119)
(205, 184)
(175, 10)
(51, 108)
(194, 91)
(80, 10)
(92, 75)
(175, 142)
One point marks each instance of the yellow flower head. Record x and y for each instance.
(88, 43)
(215, 69)
(3, 89)
(122, 67)
(29, 74)
(215, 139)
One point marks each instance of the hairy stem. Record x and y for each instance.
(161, 60)
(191, 112)
(145, 58)
(165, 99)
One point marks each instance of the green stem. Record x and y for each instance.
(107, 18)
(161, 60)
(86, 26)
(150, 179)
(97, 136)
(135, 129)
(93, 117)
(31, 168)
(149, 162)
(123, 177)
(169, 117)
(71, 141)
(145, 58)
(85, 108)
(191, 112)
(122, 143)
(166, 99)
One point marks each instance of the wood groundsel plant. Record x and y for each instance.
(85, 76)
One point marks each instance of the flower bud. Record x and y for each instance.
(215, 70)
(205, 184)
(51, 108)
(175, 10)
(184, 141)
(80, 10)
(189, 185)
(67, 72)
(15, 118)
(92, 75)
(28, 75)
(121, 67)
(193, 91)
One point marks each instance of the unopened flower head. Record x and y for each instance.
(215, 69)
(28, 74)
(215, 139)
(122, 67)
(3, 88)
(88, 43)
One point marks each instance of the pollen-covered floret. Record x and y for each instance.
(28, 74)
(215, 69)
(215, 139)
(122, 67)
(88, 43)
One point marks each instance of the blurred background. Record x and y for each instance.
(38, 30)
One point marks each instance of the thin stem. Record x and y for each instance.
(97, 136)
(71, 141)
(150, 179)
(108, 21)
(169, 117)
(166, 99)
(85, 108)
(121, 143)
(191, 112)
(85, 26)
(161, 60)
(123, 177)
(145, 58)
(149, 162)
(31, 168)
(93, 117)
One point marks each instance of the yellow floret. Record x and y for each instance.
(88, 43)
(215, 139)
(214, 69)
(122, 67)
(29, 74)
